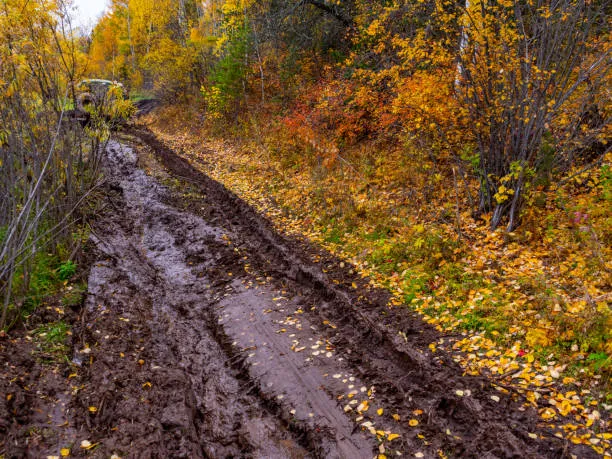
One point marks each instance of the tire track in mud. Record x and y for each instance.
(206, 334)
(160, 279)
(388, 348)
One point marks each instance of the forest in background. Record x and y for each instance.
(455, 153)
(511, 92)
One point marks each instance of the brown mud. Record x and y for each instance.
(35, 394)
(145, 106)
(205, 333)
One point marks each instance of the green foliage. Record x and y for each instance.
(227, 79)
(606, 182)
(51, 340)
(46, 276)
(43, 277)
(66, 270)
(473, 158)
(137, 96)
(545, 161)
(334, 235)
(600, 360)
(74, 296)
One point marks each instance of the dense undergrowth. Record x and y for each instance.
(50, 151)
(51, 279)
(530, 308)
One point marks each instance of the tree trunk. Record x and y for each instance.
(129, 31)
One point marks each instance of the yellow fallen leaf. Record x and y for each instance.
(392, 437)
(537, 337)
(379, 411)
(363, 406)
(93, 409)
(417, 412)
(554, 373)
(413, 423)
(547, 413)
(65, 452)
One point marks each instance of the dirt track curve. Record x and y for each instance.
(207, 334)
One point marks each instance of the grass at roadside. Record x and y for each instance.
(51, 341)
(54, 293)
(530, 308)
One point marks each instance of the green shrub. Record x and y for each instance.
(66, 270)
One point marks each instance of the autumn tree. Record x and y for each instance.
(48, 162)
(513, 89)
(107, 51)
(149, 45)
(30, 100)
(529, 72)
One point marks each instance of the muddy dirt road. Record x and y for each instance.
(206, 334)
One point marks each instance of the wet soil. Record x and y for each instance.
(205, 333)
(145, 106)
(34, 392)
